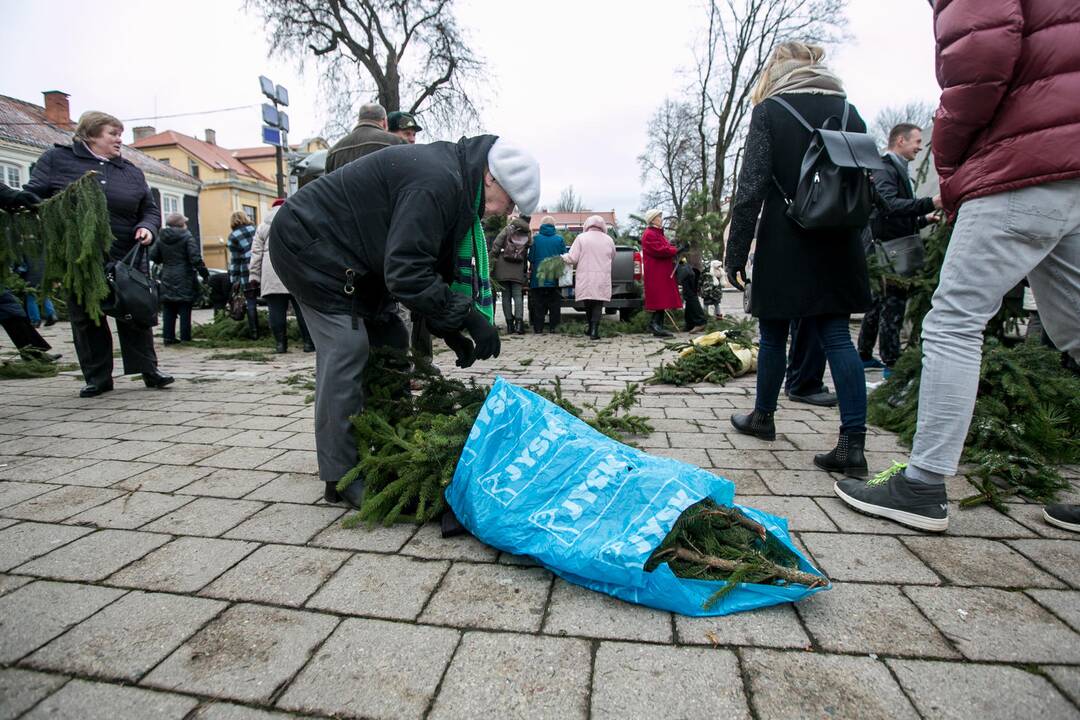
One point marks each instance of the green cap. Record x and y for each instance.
(399, 120)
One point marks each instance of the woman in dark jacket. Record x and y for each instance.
(818, 277)
(180, 258)
(134, 219)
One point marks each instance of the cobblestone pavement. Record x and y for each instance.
(165, 554)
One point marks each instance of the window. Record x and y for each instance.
(11, 175)
(193, 168)
(252, 214)
(169, 204)
(167, 161)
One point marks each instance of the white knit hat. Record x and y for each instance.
(517, 172)
(651, 215)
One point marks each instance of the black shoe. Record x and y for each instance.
(450, 525)
(35, 325)
(1066, 517)
(309, 347)
(891, 495)
(351, 495)
(847, 457)
(156, 379)
(519, 327)
(659, 331)
(281, 347)
(822, 398)
(757, 423)
(170, 341)
(50, 321)
(92, 390)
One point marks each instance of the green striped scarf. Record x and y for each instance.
(472, 257)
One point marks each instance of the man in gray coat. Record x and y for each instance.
(367, 137)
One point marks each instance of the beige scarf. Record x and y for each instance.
(796, 77)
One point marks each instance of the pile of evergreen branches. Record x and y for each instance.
(71, 231)
(713, 542)
(714, 357)
(1023, 427)
(224, 332)
(409, 443)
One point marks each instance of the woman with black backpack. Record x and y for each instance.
(510, 251)
(817, 276)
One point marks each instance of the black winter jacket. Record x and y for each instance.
(130, 202)
(899, 213)
(363, 140)
(797, 273)
(385, 226)
(180, 257)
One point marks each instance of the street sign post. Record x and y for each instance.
(276, 125)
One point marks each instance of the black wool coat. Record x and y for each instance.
(384, 227)
(796, 273)
(899, 213)
(180, 257)
(130, 202)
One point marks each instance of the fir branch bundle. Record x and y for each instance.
(1023, 426)
(550, 269)
(712, 357)
(712, 542)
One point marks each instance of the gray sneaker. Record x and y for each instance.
(1063, 516)
(893, 496)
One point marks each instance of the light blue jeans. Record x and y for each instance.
(998, 240)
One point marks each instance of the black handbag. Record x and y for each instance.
(905, 256)
(133, 294)
(237, 307)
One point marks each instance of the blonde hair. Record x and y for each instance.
(785, 58)
(92, 123)
(239, 219)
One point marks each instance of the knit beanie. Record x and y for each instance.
(517, 172)
(547, 220)
(651, 215)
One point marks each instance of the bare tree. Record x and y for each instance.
(669, 165)
(916, 112)
(405, 54)
(738, 40)
(569, 201)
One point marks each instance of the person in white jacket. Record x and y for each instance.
(262, 276)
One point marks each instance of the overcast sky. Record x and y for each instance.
(575, 82)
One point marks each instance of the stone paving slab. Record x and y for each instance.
(373, 669)
(666, 682)
(286, 523)
(106, 473)
(206, 516)
(775, 626)
(130, 511)
(61, 503)
(38, 612)
(229, 711)
(866, 558)
(979, 561)
(386, 586)
(228, 483)
(163, 479)
(496, 597)
(507, 675)
(44, 469)
(28, 540)
(973, 692)
(1067, 678)
(99, 701)
(127, 638)
(245, 654)
(95, 556)
(1058, 557)
(186, 564)
(574, 610)
(837, 686)
(1063, 603)
(278, 575)
(20, 690)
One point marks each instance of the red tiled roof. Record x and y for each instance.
(215, 156)
(26, 124)
(263, 151)
(571, 219)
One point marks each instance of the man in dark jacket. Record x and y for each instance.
(12, 316)
(401, 224)
(899, 214)
(367, 137)
(1007, 150)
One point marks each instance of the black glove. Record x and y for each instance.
(462, 347)
(21, 199)
(483, 334)
(204, 274)
(733, 275)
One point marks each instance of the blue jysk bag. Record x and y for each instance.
(534, 480)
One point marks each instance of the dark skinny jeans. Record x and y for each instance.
(844, 362)
(170, 311)
(277, 305)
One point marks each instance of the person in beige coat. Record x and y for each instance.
(263, 277)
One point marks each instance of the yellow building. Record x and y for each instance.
(262, 159)
(228, 184)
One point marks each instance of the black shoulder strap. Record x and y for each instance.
(787, 106)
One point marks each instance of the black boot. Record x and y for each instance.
(156, 379)
(519, 327)
(594, 330)
(847, 457)
(757, 423)
(656, 327)
(282, 342)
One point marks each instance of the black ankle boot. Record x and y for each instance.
(594, 330)
(757, 423)
(519, 327)
(656, 327)
(847, 457)
(281, 344)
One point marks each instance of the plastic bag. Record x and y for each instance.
(534, 480)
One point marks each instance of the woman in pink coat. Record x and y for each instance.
(592, 253)
(661, 289)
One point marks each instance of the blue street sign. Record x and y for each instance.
(267, 87)
(271, 136)
(282, 95)
(283, 121)
(270, 115)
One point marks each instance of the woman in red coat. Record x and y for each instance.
(661, 289)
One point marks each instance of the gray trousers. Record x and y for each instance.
(341, 354)
(997, 241)
(513, 301)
